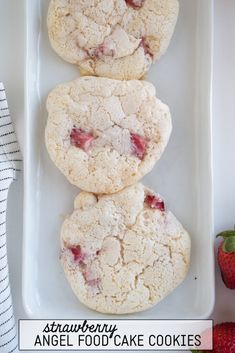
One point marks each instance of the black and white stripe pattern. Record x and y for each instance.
(10, 164)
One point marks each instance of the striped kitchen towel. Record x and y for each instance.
(10, 165)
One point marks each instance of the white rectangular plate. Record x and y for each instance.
(183, 175)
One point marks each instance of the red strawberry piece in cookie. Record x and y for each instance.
(136, 4)
(155, 202)
(105, 49)
(81, 139)
(139, 145)
(93, 282)
(90, 279)
(144, 44)
(78, 255)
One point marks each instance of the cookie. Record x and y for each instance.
(118, 39)
(123, 253)
(106, 134)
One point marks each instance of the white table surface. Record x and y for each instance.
(12, 74)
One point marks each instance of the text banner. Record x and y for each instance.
(155, 335)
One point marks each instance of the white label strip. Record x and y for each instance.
(137, 335)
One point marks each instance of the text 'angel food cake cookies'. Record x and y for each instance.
(105, 134)
(124, 252)
(113, 38)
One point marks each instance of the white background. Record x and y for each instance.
(12, 74)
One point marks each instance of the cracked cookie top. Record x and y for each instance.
(105, 134)
(124, 252)
(113, 38)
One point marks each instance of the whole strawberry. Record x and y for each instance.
(226, 258)
(223, 338)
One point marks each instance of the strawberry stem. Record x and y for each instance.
(229, 240)
(229, 245)
(226, 234)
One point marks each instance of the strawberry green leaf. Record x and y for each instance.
(226, 234)
(229, 245)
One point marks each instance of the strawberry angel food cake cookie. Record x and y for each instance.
(113, 38)
(105, 134)
(123, 253)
